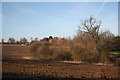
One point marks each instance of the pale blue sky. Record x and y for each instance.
(42, 19)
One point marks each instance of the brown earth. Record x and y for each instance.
(16, 64)
(14, 52)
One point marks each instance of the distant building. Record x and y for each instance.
(45, 39)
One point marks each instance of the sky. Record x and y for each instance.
(119, 18)
(57, 19)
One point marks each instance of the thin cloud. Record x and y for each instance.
(25, 10)
(100, 9)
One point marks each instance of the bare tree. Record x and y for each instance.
(31, 39)
(106, 41)
(2, 41)
(23, 40)
(17, 42)
(90, 26)
(86, 42)
(11, 40)
(36, 39)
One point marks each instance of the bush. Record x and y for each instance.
(61, 49)
(33, 48)
(85, 49)
(104, 57)
(45, 50)
(63, 54)
(41, 50)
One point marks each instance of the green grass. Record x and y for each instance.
(114, 53)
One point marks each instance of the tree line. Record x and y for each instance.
(25, 40)
(21, 41)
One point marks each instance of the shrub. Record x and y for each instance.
(63, 54)
(41, 49)
(46, 50)
(43, 52)
(61, 49)
(104, 57)
(113, 59)
(33, 48)
(85, 49)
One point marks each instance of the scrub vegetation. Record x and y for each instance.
(89, 45)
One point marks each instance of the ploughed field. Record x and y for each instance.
(15, 52)
(14, 65)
